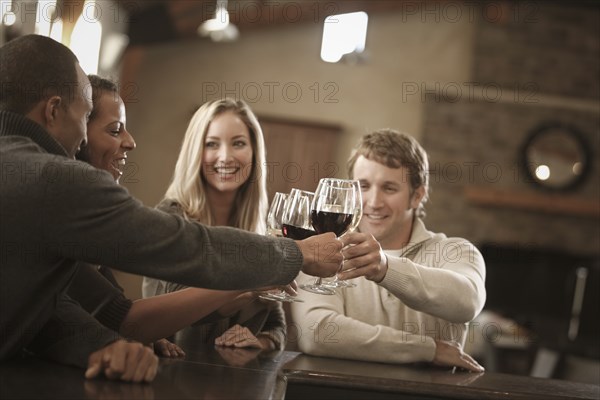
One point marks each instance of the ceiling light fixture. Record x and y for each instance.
(219, 29)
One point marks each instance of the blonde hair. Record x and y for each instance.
(188, 186)
(394, 150)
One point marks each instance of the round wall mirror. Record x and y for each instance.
(555, 156)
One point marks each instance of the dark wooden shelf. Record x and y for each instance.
(539, 202)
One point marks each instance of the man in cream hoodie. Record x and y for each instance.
(415, 290)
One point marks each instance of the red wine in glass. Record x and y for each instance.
(296, 233)
(327, 221)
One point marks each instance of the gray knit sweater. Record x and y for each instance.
(54, 211)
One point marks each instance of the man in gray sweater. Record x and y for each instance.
(55, 210)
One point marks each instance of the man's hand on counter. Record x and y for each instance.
(451, 354)
(125, 361)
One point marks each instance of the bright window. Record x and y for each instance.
(344, 34)
(86, 38)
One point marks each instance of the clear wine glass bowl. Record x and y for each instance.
(358, 210)
(296, 223)
(274, 228)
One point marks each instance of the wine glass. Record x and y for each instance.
(275, 214)
(332, 210)
(358, 205)
(274, 218)
(358, 210)
(296, 223)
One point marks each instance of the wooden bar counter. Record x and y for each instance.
(245, 374)
(318, 377)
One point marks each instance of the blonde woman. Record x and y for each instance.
(218, 181)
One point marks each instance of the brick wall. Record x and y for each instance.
(475, 140)
(551, 46)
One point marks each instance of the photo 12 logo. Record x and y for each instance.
(470, 11)
(452, 92)
(272, 91)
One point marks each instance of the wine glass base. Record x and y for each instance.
(318, 289)
(336, 284)
(280, 297)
